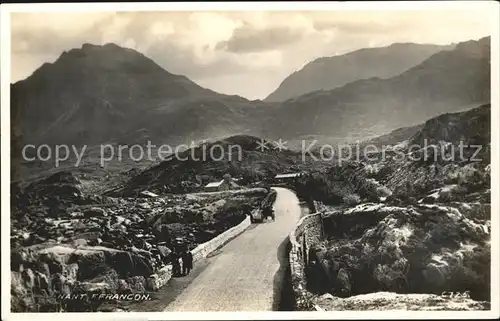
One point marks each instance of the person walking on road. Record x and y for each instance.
(187, 262)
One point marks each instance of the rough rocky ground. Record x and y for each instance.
(398, 225)
(416, 249)
(418, 224)
(381, 301)
(65, 240)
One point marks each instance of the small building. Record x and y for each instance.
(286, 178)
(226, 184)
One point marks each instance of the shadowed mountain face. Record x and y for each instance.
(448, 81)
(101, 94)
(471, 127)
(93, 91)
(331, 72)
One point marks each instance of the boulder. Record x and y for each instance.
(28, 278)
(145, 206)
(21, 300)
(93, 287)
(107, 281)
(164, 251)
(79, 242)
(70, 272)
(60, 284)
(95, 212)
(390, 301)
(77, 215)
(123, 286)
(137, 284)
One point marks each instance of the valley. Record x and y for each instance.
(402, 225)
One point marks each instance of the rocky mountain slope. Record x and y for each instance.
(331, 72)
(467, 126)
(428, 163)
(394, 137)
(448, 81)
(414, 219)
(107, 94)
(97, 94)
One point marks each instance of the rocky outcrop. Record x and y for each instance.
(111, 245)
(416, 249)
(43, 275)
(446, 160)
(48, 275)
(390, 301)
(424, 222)
(375, 255)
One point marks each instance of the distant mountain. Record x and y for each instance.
(331, 72)
(108, 94)
(95, 94)
(92, 91)
(448, 81)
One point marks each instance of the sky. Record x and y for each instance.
(247, 53)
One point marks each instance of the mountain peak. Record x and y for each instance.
(93, 49)
(89, 46)
(92, 92)
(101, 61)
(327, 73)
(401, 44)
(106, 46)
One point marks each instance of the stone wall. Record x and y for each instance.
(160, 278)
(309, 231)
(202, 250)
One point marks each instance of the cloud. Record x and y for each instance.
(248, 39)
(227, 51)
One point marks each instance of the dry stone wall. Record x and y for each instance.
(203, 250)
(309, 231)
(160, 278)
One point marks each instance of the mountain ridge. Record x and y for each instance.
(101, 91)
(335, 71)
(374, 106)
(100, 94)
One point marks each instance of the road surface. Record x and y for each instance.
(245, 275)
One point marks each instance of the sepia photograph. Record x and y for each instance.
(250, 160)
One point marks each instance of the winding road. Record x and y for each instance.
(247, 273)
